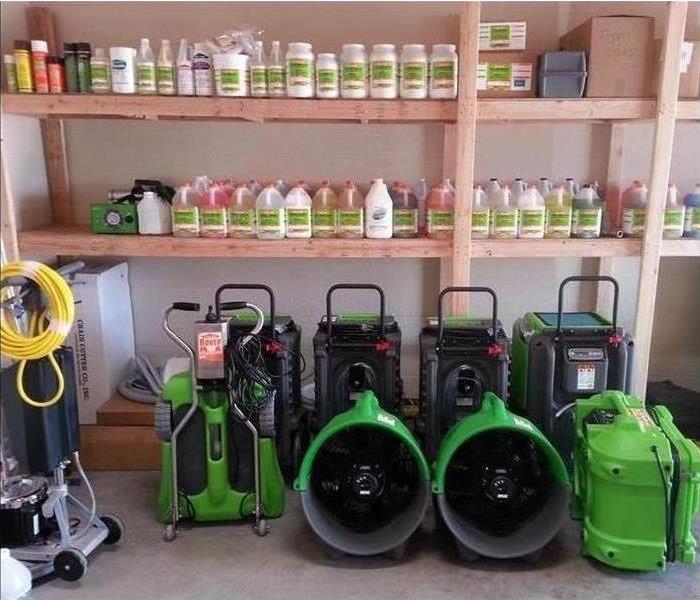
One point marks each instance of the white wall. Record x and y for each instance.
(105, 154)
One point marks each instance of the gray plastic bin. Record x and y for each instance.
(562, 74)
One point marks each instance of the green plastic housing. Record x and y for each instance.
(219, 501)
(623, 488)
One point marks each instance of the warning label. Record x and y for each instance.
(210, 347)
(585, 378)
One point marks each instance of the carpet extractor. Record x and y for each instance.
(216, 422)
(559, 357)
(636, 483)
(460, 359)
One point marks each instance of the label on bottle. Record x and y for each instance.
(146, 77)
(230, 81)
(327, 80)
(692, 220)
(324, 221)
(258, 80)
(673, 221)
(443, 74)
(299, 71)
(354, 76)
(505, 223)
(213, 223)
(480, 223)
(586, 222)
(633, 221)
(99, 76)
(270, 221)
(383, 74)
(439, 220)
(406, 220)
(275, 80)
(298, 220)
(531, 223)
(166, 80)
(350, 221)
(201, 67)
(185, 81)
(186, 220)
(241, 221)
(414, 75)
(558, 222)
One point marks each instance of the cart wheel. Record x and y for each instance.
(70, 564)
(261, 527)
(169, 533)
(115, 528)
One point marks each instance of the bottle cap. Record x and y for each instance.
(82, 47)
(22, 45)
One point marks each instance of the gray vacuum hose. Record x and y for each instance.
(143, 383)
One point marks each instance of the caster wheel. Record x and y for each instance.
(70, 564)
(396, 554)
(465, 553)
(115, 527)
(261, 528)
(169, 533)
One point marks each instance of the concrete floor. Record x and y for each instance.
(230, 561)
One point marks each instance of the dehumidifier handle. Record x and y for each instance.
(355, 286)
(246, 286)
(598, 278)
(260, 316)
(468, 289)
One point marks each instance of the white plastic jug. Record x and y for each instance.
(379, 211)
(16, 580)
(154, 215)
(531, 214)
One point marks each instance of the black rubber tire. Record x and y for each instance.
(115, 527)
(70, 564)
(466, 554)
(163, 421)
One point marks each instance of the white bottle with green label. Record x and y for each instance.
(379, 211)
(414, 72)
(443, 72)
(269, 213)
(297, 212)
(544, 187)
(154, 215)
(324, 212)
(300, 70)
(587, 214)
(100, 72)
(531, 214)
(185, 212)
(327, 77)
(504, 215)
(241, 213)
(351, 211)
(557, 220)
(258, 72)
(165, 69)
(383, 72)
(353, 71)
(480, 214)
(405, 211)
(634, 210)
(674, 214)
(517, 189)
(145, 69)
(276, 80)
(212, 213)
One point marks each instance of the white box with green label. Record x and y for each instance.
(506, 35)
(507, 74)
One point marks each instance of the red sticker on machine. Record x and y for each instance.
(210, 347)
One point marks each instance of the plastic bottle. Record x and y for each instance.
(383, 72)
(100, 72)
(241, 213)
(212, 213)
(203, 70)
(492, 187)
(165, 70)
(504, 215)
(557, 220)
(324, 212)
(281, 187)
(16, 580)
(571, 187)
(123, 70)
(154, 215)
(634, 210)
(40, 52)
(440, 210)
(23, 65)
(269, 214)
(517, 189)
(276, 81)
(185, 76)
(480, 214)
(405, 211)
(10, 72)
(587, 214)
(379, 211)
(674, 215)
(145, 69)
(414, 72)
(70, 56)
(544, 187)
(83, 53)
(531, 212)
(297, 212)
(421, 190)
(327, 83)
(443, 71)
(300, 70)
(258, 72)
(447, 182)
(351, 210)
(185, 212)
(691, 225)
(231, 74)
(57, 76)
(256, 187)
(353, 71)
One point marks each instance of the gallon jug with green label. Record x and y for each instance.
(587, 215)
(674, 214)
(241, 213)
(480, 214)
(691, 228)
(324, 212)
(212, 213)
(185, 212)
(504, 215)
(297, 211)
(405, 220)
(351, 212)
(440, 212)
(557, 218)
(634, 210)
(531, 214)
(269, 214)
(379, 211)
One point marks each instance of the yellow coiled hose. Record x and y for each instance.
(41, 340)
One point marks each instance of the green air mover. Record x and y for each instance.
(216, 422)
(636, 483)
(501, 488)
(364, 482)
(460, 359)
(560, 357)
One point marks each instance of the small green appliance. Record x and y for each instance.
(636, 483)
(501, 488)
(559, 357)
(219, 461)
(364, 482)
(114, 217)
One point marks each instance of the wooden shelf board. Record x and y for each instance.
(120, 411)
(549, 109)
(688, 110)
(555, 248)
(683, 247)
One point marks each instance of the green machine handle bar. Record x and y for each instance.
(246, 286)
(468, 290)
(354, 286)
(588, 278)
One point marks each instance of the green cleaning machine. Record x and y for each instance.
(636, 483)
(559, 357)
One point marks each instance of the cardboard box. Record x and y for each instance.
(502, 35)
(689, 82)
(620, 55)
(507, 75)
(102, 337)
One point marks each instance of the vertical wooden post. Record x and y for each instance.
(10, 246)
(449, 167)
(666, 108)
(40, 26)
(466, 147)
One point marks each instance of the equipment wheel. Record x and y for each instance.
(163, 421)
(261, 528)
(169, 533)
(115, 527)
(70, 564)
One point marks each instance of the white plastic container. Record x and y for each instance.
(185, 76)
(241, 213)
(531, 211)
(480, 214)
(383, 72)
(276, 81)
(16, 580)
(269, 214)
(414, 72)
(123, 69)
(154, 215)
(297, 212)
(443, 71)
(327, 78)
(258, 72)
(300, 70)
(146, 69)
(353, 71)
(231, 74)
(558, 215)
(379, 211)
(674, 214)
(165, 70)
(504, 214)
(587, 214)
(185, 212)
(202, 69)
